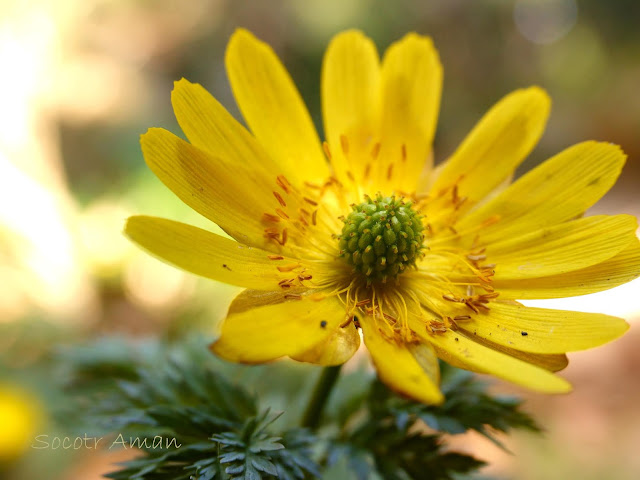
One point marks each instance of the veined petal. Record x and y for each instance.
(553, 362)
(496, 145)
(232, 195)
(350, 97)
(273, 108)
(268, 332)
(562, 248)
(398, 367)
(207, 254)
(560, 189)
(622, 268)
(411, 88)
(209, 126)
(336, 349)
(540, 330)
(206, 183)
(486, 360)
(250, 299)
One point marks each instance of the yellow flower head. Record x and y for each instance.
(20, 416)
(361, 232)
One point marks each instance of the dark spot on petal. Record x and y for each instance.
(224, 265)
(593, 182)
(456, 339)
(323, 323)
(524, 334)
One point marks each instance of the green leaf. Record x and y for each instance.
(219, 432)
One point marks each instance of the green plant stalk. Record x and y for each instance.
(321, 393)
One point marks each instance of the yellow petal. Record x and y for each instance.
(480, 358)
(622, 268)
(411, 87)
(206, 184)
(540, 330)
(562, 248)
(233, 195)
(496, 145)
(249, 299)
(398, 368)
(268, 332)
(350, 96)
(209, 126)
(552, 362)
(273, 108)
(560, 189)
(207, 254)
(336, 349)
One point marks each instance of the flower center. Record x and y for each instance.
(381, 237)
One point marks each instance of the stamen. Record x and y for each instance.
(375, 151)
(451, 298)
(268, 217)
(283, 183)
(280, 199)
(290, 267)
(275, 257)
(312, 186)
(344, 144)
(282, 214)
(327, 150)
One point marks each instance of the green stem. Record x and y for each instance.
(326, 382)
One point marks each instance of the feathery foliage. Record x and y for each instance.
(191, 422)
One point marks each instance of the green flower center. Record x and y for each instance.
(381, 237)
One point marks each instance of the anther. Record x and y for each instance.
(375, 151)
(268, 217)
(283, 183)
(275, 257)
(280, 199)
(451, 298)
(327, 151)
(282, 214)
(288, 268)
(344, 144)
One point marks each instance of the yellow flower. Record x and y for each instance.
(20, 415)
(361, 231)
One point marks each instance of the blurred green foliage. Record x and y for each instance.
(224, 428)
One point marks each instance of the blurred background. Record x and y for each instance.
(82, 79)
